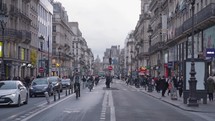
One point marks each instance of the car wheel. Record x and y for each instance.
(19, 102)
(26, 100)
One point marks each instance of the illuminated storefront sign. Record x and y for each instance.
(1, 49)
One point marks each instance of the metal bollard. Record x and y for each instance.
(54, 95)
(47, 97)
(58, 94)
(69, 90)
(66, 91)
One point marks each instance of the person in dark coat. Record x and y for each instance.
(210, 87)
(164, 85)
(108, 81)
(180, 85)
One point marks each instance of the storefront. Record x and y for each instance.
(209, 43)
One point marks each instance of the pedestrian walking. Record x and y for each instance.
(170, 85)
(164, 86)
(180, 85)
(210, 87)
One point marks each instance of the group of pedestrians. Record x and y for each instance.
(169, 85)
(160, 84)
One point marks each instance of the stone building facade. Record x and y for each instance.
(171, 22)
(17, 38)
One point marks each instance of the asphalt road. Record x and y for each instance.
(120, 103)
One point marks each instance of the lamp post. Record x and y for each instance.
(127, 65)
(59, 51)
(150, 36)
(192, 100)
(131, 63)
(3, 21)
(138, 47)
(150, 79)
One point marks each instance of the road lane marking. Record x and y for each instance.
(112, 108)
(104, 106)
(49, 106)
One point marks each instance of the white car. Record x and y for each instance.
(13, 93)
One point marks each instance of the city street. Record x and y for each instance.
(120, 103)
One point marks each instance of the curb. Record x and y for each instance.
(175, 105)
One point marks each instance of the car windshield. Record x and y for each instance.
(65, 81)
(39, 81)
(53, 79)
(7, 85)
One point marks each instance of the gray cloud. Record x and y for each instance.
(103, 22)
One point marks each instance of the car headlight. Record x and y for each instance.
(44, 88)
(31, 88)
(11, 95)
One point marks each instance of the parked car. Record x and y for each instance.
(66, 83)
(13, 92)
(56, 82)
(39, 86)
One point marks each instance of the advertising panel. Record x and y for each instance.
(200, 74)
(1, 49)
(209, 38)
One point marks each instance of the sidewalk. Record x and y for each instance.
(204, 108)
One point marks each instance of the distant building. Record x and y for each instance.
(112, 53)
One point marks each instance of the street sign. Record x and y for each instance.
(210, 52)
(41, 70)
(110, 68)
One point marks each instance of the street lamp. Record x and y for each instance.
(137, 47)
(3, 21)
(150, 31)
(127, 65)
(192, 100)
(59, 51)
(131, 63)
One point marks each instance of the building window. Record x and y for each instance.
(41, 46)
(201, 4)
(54, 28)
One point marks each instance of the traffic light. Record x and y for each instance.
(47, 66)
(110, 61)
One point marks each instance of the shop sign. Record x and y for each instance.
(210, 52)
(170, 64)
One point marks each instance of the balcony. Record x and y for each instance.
(13, 11)
(26, 36)
(23, 14)
(156, 47)
(202, 20)
(143, 55)
(12, 34)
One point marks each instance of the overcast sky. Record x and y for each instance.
(103, 22)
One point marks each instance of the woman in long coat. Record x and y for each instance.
(210, 87)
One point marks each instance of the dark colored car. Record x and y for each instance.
(66, 83)
(56, 82)
(39, 86)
